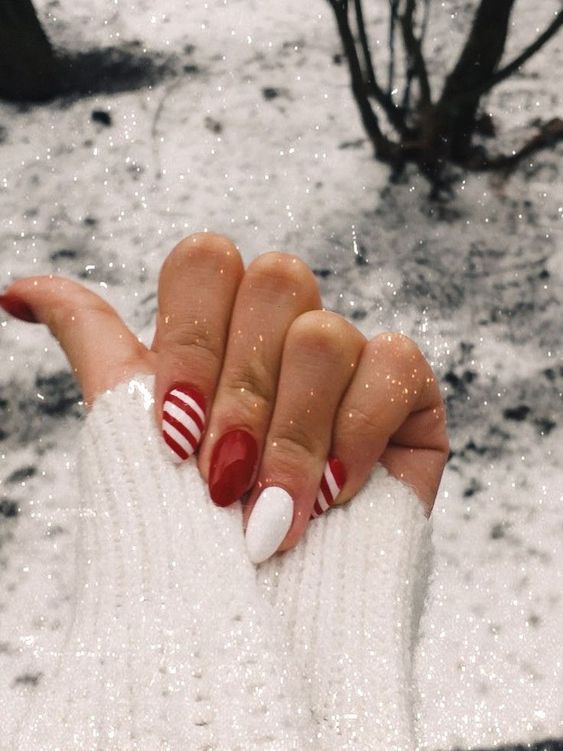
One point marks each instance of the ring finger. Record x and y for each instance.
(320, 355)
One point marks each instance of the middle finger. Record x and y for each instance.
(276, 288)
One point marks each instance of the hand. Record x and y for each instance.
(260, 381)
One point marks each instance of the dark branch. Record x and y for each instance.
(550, 133)
(410, 71)
(406, 100)
(365, 44)
(425, 19)
(393, 6)
(509, 69)
(414, 52)
(384, 148)
(383, 98)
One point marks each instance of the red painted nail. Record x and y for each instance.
(183, 420)
(17, 308)
(332, 482)
(232, 466)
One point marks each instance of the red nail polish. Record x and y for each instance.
(232, 466)
(17, 308)
(183, 420)
(332, 482)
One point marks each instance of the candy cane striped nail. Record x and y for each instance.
(332, 482)
(183, 420)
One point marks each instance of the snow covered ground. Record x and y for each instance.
(249, 128)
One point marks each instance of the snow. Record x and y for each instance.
(253, 132)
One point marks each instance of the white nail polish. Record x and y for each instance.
(269, 523)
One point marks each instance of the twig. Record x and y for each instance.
(550, 133)
(383, 98)
(384, 148)
(414, 52)
(365, 44)
(425, 19)
(393, 5)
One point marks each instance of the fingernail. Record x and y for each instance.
(332, 482)
(183, 420)
(232, 466)
(17, 308)
(269, 523)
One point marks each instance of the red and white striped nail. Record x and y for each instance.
(332, 482)
(183, 420)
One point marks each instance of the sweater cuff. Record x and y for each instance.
(350, 595)
(171, 644)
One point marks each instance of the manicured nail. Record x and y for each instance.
(17, 308)
(332, 482)
(183, 420)
(232, 466)
(269, 523)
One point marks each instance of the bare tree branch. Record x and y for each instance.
(383, 98)
(393, 8)
(405, 105)
(425, 19)
(414, 52)
(436, 134)
(384, 148)
(365, 45)
(550, 133)
(531, 50)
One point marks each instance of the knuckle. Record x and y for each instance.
(323, 331)
(441, 428)
(407, 366)
(184, 337)
(63, 317)
(283, 272)
(205, 246)
(446, 445)
(206, 242)
(252, 387)
(397, 346)
(360, 422)
(295, 444)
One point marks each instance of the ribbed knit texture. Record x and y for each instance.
(171, 645)
(351, 595)
(178, 641)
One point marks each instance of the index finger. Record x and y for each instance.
(196, 292)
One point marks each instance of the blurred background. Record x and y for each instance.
(410, 152)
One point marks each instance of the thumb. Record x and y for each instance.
(101, 350)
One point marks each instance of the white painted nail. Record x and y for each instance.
(269, 523)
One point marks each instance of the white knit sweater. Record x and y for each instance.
(178, 641)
